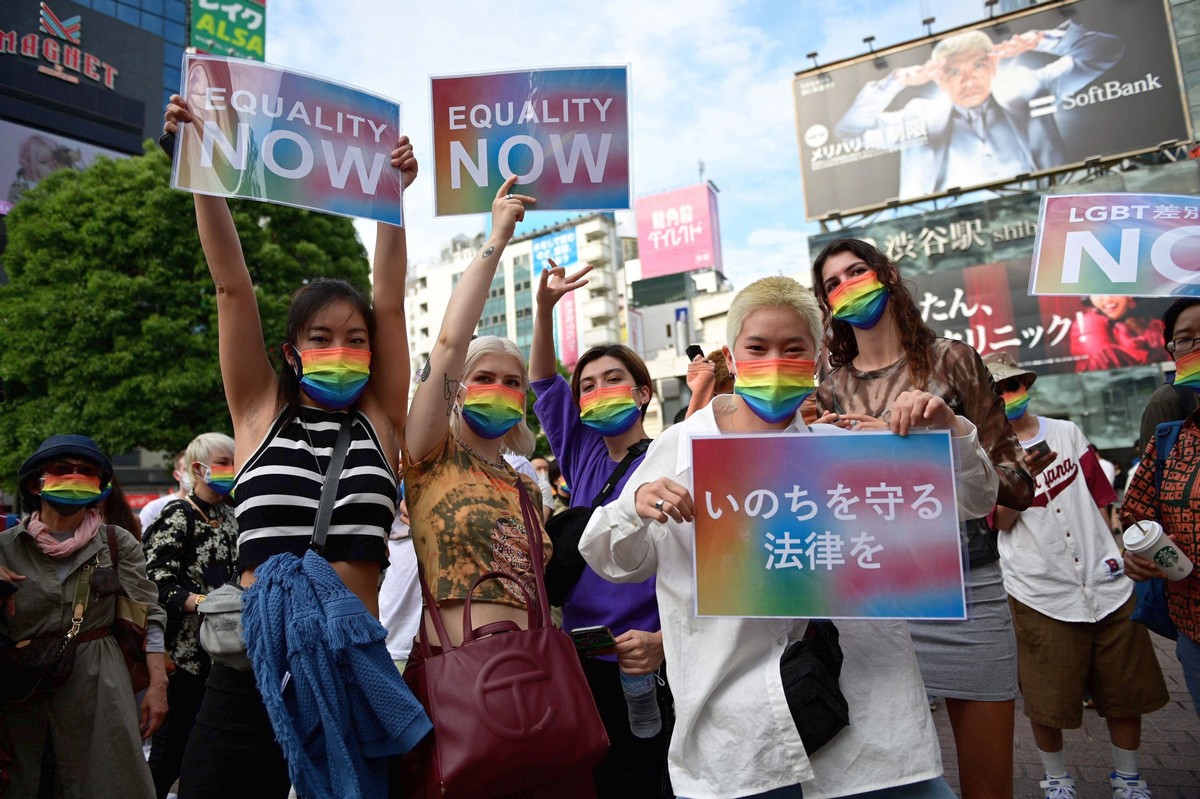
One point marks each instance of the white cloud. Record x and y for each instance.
(711, 81)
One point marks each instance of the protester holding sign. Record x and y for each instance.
(735, 733)
(891, 372)
(594, 425)
(346, 362)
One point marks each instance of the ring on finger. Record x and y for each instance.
(508, 196)
(659, 505)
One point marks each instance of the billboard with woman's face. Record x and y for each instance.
(28, 156)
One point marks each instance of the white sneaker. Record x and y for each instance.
(1124, 788)
(1059, 787)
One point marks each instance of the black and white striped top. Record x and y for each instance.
(277, 492)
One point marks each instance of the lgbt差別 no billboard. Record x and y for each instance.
(1027, 94)
(871, 533)
(272, 134)
(1139, 245)
(563, 132)
(678, 231)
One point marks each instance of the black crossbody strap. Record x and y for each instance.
(329, 490)
(630, 456)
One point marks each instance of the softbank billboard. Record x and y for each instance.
(1030, 93)
(678, 231)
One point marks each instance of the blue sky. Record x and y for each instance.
(710, 79)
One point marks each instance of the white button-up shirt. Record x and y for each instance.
(734, 735)
(1060, 558)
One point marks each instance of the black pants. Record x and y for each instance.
(635, 768)
(232, 753)
(185, 691)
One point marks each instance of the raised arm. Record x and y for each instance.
(246, 372)
(389, 349)
(429, 416)
(553, 285)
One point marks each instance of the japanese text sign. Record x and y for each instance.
(678, 232)
(852, 525)
(230, 27)
(271, 134)
(1134, 245)
(563, 132)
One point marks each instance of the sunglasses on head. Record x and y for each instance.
(62, 468)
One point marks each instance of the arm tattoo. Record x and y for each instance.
(449, 392)
(487, 253)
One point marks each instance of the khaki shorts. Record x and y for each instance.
(1111, 659)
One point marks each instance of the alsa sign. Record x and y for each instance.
(56, 45)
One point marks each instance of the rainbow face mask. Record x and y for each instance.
(220, 479)
(1015, 403)
(491, 410)
(775, 388)
(859, 301)
(72, 490)
(609, 411)
(335, 377)
(1187, 370)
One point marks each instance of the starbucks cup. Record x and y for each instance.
(1147, 540)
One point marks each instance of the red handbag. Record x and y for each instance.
(511, 708)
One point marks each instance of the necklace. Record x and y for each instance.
(493, 464)
(213, 523)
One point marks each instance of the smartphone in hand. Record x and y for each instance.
(693, 351)
(1038, 449)
(592, 641)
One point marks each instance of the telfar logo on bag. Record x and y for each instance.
(509, 689)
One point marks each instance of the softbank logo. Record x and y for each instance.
(1040, 106)
(1099, 93)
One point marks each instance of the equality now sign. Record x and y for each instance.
(1139, 245)
(871, 533)
(563, 132)
(266, 133)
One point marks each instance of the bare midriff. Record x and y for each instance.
(360, 576)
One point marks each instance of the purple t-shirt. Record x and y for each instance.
(583, 457)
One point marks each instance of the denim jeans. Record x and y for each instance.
(1188, 652)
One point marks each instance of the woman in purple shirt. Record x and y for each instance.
(591, 425)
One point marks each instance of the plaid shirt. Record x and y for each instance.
(1180, 515)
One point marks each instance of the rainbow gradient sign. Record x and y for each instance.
(842, 526)
(266, 133)
(1131, 245)
(563, 132)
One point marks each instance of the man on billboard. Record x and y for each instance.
(986, 123)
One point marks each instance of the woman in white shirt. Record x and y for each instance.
(734, 735)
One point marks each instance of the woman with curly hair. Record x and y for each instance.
(890, 371)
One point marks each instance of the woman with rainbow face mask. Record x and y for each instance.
(345, 361)
(191, 550)
(890, 372)
(734, 732)
(60, 560)
(591, 424)
(463, 496)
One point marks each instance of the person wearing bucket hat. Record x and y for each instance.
(63, 551)
(1070, 603)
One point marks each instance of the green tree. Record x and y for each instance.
(108, 326)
